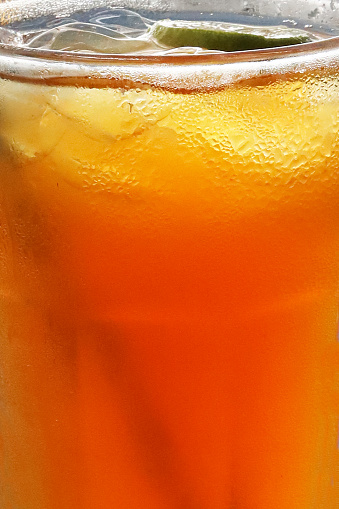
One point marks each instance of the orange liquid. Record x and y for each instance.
(169, 297)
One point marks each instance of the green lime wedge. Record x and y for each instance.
(224, 36)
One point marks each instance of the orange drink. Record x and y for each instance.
(169, 279)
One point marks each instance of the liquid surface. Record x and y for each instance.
(122, 31)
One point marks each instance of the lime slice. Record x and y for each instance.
(224, 36)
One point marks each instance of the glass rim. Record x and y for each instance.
(209, 57)
(173, 72)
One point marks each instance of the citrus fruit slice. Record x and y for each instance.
(225, 36)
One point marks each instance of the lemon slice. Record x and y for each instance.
(225, 36)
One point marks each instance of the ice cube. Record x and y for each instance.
(88, 37)
(111, 113)
(124, 21)
(10, 37)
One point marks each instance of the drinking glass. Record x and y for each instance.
(169, 263)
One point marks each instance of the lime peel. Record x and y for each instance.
(224, 36)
